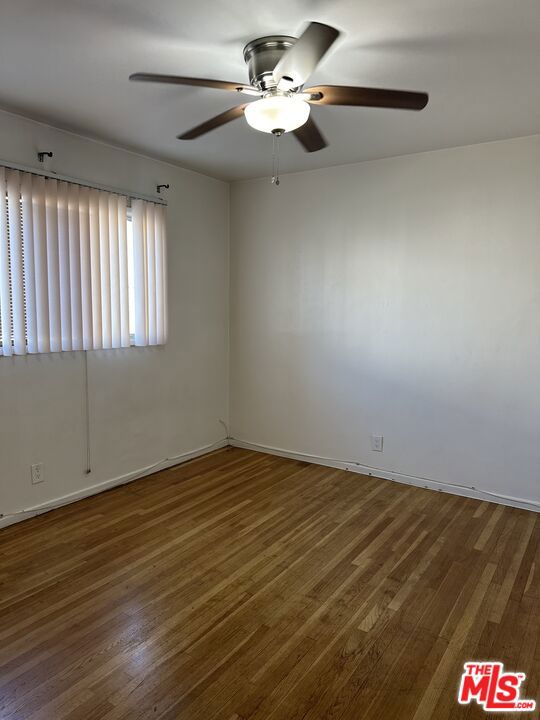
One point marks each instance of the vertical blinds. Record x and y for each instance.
(65, 275)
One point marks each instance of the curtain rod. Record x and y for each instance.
(78, 181)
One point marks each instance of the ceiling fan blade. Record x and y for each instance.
(367, 97)
(215, 122)
(198, 82)
(298, 62)
(310, 136)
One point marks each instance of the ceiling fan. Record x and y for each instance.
(278, 67)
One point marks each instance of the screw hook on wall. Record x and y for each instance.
(158, 188)
(43, 155)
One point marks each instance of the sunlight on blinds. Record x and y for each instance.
(69, 277)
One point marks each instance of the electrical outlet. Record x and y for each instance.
(38, 475)
(377, 443)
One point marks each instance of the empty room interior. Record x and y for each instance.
(269, 360)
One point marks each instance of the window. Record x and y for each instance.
(79, 269)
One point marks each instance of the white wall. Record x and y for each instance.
(399, 297)
(146, 404)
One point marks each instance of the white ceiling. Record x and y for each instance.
(67, 62)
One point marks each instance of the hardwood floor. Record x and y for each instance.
(244, 586)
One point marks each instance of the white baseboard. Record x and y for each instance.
(475, 493)
(10, 519)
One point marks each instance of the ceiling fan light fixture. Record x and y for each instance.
(277, 113)
(278, 67)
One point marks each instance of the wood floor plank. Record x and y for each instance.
(244, 586)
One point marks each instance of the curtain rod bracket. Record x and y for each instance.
(42, 155)
(78, 181)
(158, 188)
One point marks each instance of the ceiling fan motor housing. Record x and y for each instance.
(262, 55)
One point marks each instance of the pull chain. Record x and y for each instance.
(275, 158)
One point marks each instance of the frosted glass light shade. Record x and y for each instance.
(278, 112)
